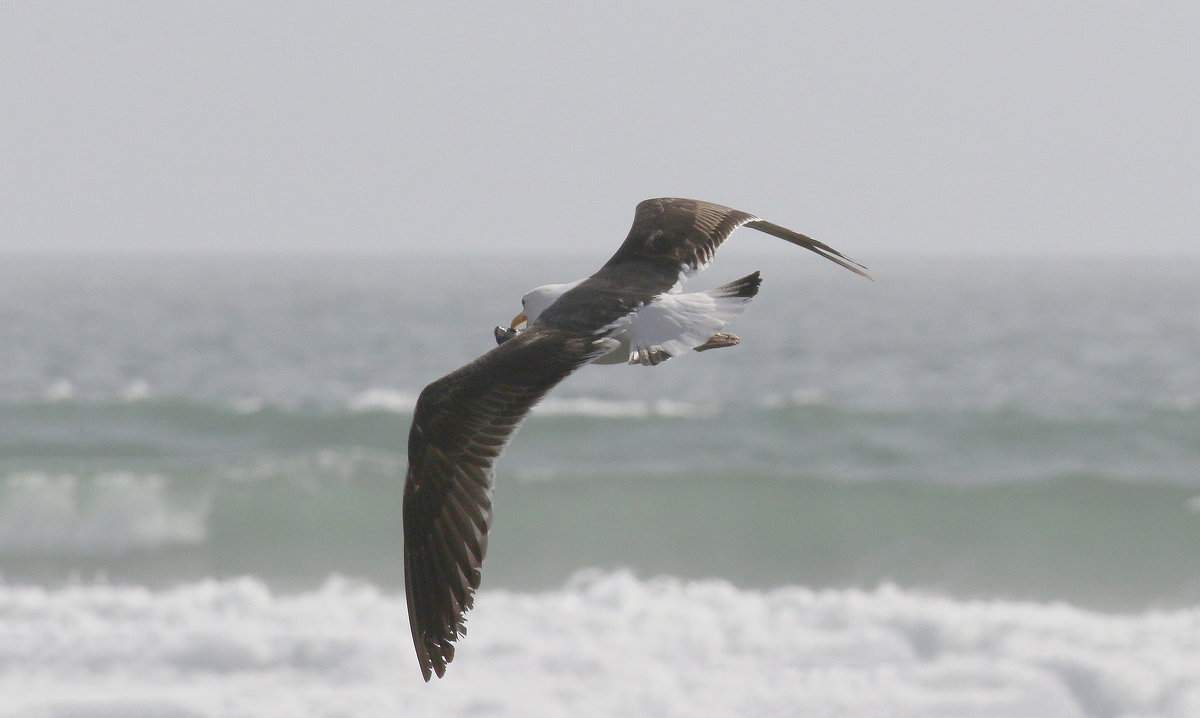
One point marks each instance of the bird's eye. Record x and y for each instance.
(522, 301)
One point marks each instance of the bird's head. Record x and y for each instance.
(533, 304)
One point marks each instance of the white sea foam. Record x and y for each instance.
(383, 400)
(798, 397)
(248, 405)
(136, 390)
(61, 390)
(112, 513)
(606, 644)
(586, 406)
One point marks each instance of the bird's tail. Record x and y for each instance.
(743, 288)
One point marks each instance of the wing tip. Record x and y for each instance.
(433, 655)
(853, 266)
(810, 244)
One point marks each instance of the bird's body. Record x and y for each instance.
(630, 311)
(668, 325)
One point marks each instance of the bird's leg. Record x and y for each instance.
(648, 356)
(718, 341)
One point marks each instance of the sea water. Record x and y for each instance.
(969, 489)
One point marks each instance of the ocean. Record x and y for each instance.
(971, 488)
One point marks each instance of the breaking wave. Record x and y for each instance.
(604, 644)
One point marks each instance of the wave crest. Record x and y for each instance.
(600, 408)
(660, 647)
(109, 514)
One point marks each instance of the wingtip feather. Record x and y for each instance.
(810, 244)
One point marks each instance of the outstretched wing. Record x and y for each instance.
(670, 238)
(687, 233)
(460, 425)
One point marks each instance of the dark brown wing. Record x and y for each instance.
(670, 238)
(460, 425)
(687, 232)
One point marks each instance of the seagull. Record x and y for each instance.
(630, 311)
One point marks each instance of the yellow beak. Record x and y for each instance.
(519, 319)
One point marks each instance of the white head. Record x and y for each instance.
(538, 300)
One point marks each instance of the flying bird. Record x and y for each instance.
(630, 311)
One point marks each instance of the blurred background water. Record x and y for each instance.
(962, 430)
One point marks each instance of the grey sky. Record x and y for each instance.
(879, 127)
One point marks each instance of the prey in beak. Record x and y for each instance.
(503, 334)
